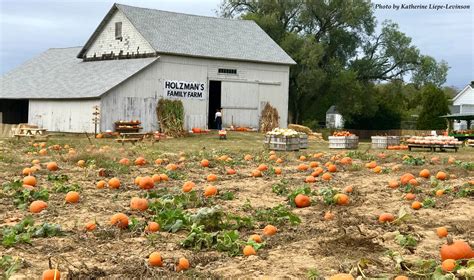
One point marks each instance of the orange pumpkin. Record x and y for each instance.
(146, 183)
(140, 204)
(302, 200)
(210, 191)
(119, 220)
(455, 250)
(29, 180)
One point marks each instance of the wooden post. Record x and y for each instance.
(96, 119)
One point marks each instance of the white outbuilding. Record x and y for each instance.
(463, 104)
(334, 118)
(137, 56)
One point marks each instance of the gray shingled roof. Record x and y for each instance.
(191, 35)
(57, 73)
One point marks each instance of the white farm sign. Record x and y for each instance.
(184, 89)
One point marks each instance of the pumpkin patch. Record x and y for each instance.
(221, 209)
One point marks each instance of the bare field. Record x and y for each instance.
(211, 231)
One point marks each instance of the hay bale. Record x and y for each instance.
(300, 128)
(269, 118)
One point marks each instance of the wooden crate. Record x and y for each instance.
(282, 143)
(379, 142)
(343, 142)
(393, 140)
(303, 141)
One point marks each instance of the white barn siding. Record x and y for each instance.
(63, 115)
(242, 95)
(131, 39)
(134, 99)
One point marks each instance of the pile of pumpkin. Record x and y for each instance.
(342, 133)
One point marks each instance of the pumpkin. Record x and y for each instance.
(310, 179)
(90, 226)
(277, 170)
(302, 167)
(72, 197)
(410, 196)
(114, 183)
(279, 160)
(341, 276)
(211, 178)
(38, 206)
(262, 167)
(247, 157)
(27, 171)
(256, 173)
(183, 264)
(231, 171)
(401, 277)
(332, 168)
(255, 237)
(406, 178)
(329, 216)
(29, 180)
(302, 200)
(442, 232)
(101, 184)
(188, 186)
(371, 164)
(346, 160)
(448, 265)
(164, 177)
(413, 182)
(441, 176)
(140, 204)
(393, 184)
(386, 217)
(119, 220)
(270, 230)
(81, 163)
(140, 161)
(425, 173)
(171, 167)
(152, 227)
(146, 183)
(341, 199)
(124, 161)
(326, 177)
(156, 178)
(416, 205)
(155, 259)
(348, 189)
(52, 166)
(455, 250)
(377, 169)
(204, 163)
(249, 250)
(210, 191)
(51, 274)
(313, 164)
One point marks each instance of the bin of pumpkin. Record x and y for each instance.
(343, 140)
(282, 139)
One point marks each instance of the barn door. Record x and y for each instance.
(240, 104)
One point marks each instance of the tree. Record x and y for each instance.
(334, 42)
(434, 104)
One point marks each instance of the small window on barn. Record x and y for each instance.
(227, 71)
(118, 30)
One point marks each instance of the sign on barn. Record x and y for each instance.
(184, 89)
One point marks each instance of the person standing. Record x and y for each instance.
(218, 119)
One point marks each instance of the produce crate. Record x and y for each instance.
(282, 143)
(343, 142)
(303, 141)
(393, 140)
(379, 142)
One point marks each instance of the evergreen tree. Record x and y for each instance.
(434, 104)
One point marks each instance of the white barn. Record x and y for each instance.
(463, 104)
(137, 56)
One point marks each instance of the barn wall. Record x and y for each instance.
(131, 39)
(467, 97)
(243, 95)
(134, 99)
(63, 115)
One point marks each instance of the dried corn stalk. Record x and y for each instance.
(269, 118)
(170, 114)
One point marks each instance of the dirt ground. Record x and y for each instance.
(353, 242)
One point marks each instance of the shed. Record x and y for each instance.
(137, 56)
(334, 118)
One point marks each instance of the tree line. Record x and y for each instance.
(376, 78)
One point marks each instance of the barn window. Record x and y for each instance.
(227, 71)
(118, 30)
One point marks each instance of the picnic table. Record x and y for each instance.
(433, 147)
(134, 137)
(30, 131)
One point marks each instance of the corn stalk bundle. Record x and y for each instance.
(269, 118)
(170, 114)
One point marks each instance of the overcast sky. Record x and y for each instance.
(29, 27)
